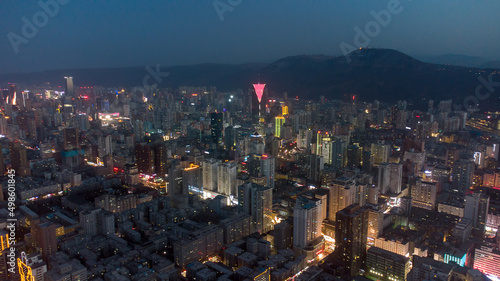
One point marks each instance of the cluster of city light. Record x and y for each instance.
(98, 163)
(49, 195)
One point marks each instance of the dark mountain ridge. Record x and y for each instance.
(382, 74)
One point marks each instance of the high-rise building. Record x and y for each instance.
(257, 201)
(256, 144)
(18, 158)
(335, 153)
(343, 193)
(476, 209)
(227, 182)
(322, 137)
(192, 177)
(217, 127)
(462, 175)
(375, 222)
(31, 267)
(230, 138)
(316, 166)
(263, 166)
(283, 235)
(70, 88)
(304, 139)
(71, 139)
(387, 266)
(424, 195)
(390, 177)
(306, 221)
(145, 158)
(380, 153)
(210, 174)
(353, 156)
(278, 122)
(160, 159)
(4, 250)
(44, 237)
(2, 167)
(259, 92)
(350, 235)
(487, 259)
(12, 93)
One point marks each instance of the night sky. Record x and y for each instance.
(114, 33)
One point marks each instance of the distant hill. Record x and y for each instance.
(382, 74)
(453, 59)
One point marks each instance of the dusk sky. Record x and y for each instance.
(115, 33)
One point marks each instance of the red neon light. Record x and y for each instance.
(259, 90)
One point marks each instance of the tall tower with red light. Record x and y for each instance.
(259, 91)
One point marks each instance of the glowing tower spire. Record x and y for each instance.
(259, 91)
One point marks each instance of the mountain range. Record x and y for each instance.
(382, 74)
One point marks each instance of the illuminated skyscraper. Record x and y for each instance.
(279, 121)
(320, 139)
(227, 184)
(210, 169)
(12, 94)
(259, 91)
(284, 110)
(216, 123)
(4, 250)
(70, 89)
(487, 259)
